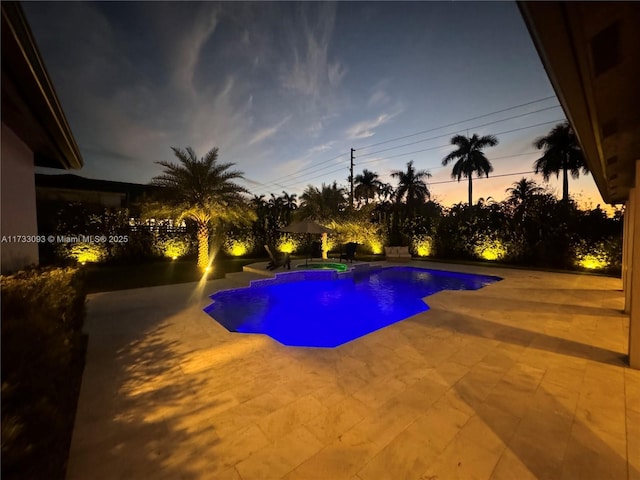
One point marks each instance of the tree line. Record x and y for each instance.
(204, 191)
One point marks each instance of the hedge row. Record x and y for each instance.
(42, 361)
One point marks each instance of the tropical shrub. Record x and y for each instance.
(42, 358)
(239, 243)
(602, 255)
(421, 245)
(287, 243)
(83, 252)
(172, 246)
(361, 231)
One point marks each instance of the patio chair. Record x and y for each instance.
(349, 252)
(284, 261)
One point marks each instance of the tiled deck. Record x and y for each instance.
(522, 379)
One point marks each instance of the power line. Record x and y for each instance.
(430, 168)
(314, 167)
(457, 131)
(484, 178)
(290, 187)
(297, 173)
(448, 144)
(405, 154)
(296, 176)
(456, 123)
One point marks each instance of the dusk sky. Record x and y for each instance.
(286, 89)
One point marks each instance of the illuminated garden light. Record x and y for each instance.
(490, 250)
(84, 252)
(422, 245)
(376, 247)
(287, 244)
(238, 249)
(592, 262)
(592, 256)
(174, 248)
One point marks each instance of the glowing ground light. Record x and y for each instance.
(238, 249)
(87, 252)
(490, 250)
(592, 262)
(175, 247)
(287, 245)
(376, 247)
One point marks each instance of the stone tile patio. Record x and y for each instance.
(522, 379)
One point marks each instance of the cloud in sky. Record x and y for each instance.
(189, 46)
(281, 86)
(269, 131)
(312, 70)
(365, 128)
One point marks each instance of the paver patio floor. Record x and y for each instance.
(525, 378)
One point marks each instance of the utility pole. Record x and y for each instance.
(351, 179)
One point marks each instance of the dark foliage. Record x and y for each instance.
(42, 361)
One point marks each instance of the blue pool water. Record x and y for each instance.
(327, 308)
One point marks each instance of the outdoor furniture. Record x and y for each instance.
(349, 252)
(284, 261)
(397, 254)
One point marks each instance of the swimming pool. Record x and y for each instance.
(329, 308)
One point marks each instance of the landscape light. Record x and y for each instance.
(592, 262)
(490, 250)
(238, 248)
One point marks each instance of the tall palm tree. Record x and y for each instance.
(367, 186)
(561, 153)
(202, 190)
(412, 186)
(470, 158)
(522, 191)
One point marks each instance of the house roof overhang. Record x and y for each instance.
(591, 52)
(30, 106)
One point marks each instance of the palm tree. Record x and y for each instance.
(470, 158)
(203, 191)
(289, 203)
(275, 205)
(561, 153)
(259, 204)
(412, 185)
(367, 186)
(322, 204)
(522, 191)
(386, 192)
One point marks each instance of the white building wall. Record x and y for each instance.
(17, 202)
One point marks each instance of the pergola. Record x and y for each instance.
(591, 52)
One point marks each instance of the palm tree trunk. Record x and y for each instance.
(203, 246)
(470, 191)
(565, 185)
